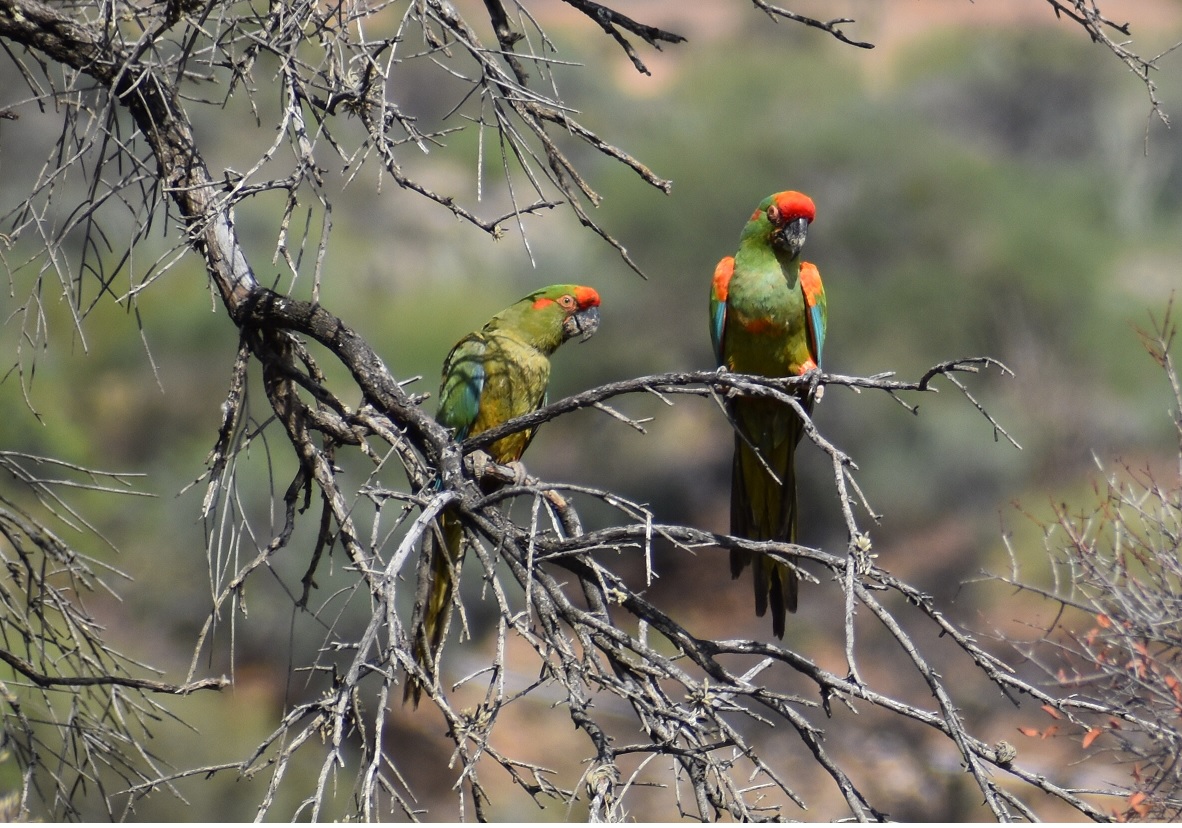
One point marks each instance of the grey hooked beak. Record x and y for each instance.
(583, 324)
(791, 236)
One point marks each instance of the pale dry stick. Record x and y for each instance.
(701, 383)
(950, 721)
(972, 747)
(286, 750)
(366, 788)
(29, 672)
(859, 557)
(494, 700)
(547, 611)
(829, 26)
(554, 591)
(342, 708)
(953, 724)
(1087, 13)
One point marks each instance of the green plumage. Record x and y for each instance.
(491, 376)
(768, 316)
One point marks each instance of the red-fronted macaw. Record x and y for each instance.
(767, 316)
(491, 376)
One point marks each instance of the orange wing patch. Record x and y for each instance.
(722, 277)
(810, 282)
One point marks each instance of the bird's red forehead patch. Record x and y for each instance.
(586, 297)
(794, 205)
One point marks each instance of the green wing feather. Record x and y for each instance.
(463, 385)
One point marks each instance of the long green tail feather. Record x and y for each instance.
(433, 600)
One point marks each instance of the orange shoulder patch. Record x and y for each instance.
(810, 282)
(722, 277)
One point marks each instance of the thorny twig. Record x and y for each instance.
(1111, 647)
(1089, 15)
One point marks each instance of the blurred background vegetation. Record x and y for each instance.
(988, 182)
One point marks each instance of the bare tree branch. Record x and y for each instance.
(1089, 15)
(830, 26)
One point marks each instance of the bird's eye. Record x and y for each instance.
(773, 214)
(567, 301)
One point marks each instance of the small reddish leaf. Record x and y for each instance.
(1050, 731)
(1103, 620)
(1030, 731)
(1175, 687)
(1091, 736)
(1052, 711)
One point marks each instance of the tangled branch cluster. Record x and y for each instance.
(690, 703)
(1113, 645)
(76, 704)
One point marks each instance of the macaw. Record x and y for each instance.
(489, 377)
(767, 316)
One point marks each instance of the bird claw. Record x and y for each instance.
(813, 374)
(519, 474)
(480, 463)
(483, 466)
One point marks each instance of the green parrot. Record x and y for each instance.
(489, 377)
(767, 316)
